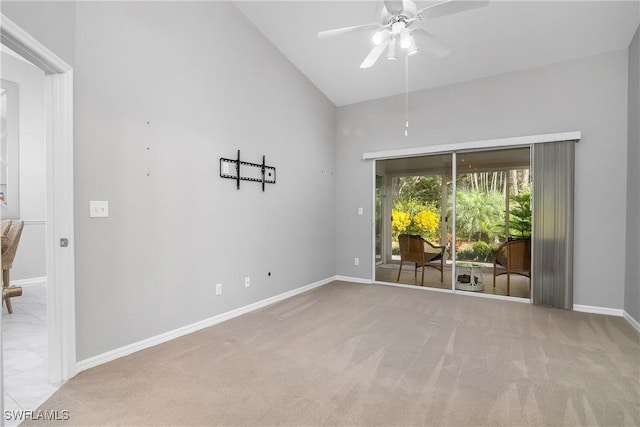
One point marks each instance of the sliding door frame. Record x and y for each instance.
(453, 149)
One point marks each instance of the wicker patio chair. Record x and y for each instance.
(421, 252)
(515, 257)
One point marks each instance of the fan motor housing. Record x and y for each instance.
(409, 10)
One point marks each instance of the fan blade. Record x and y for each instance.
(432, 43)
(450, 7)
(345, 30)
(394, 6)
(375, 53)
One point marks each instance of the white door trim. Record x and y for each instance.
(59, 204)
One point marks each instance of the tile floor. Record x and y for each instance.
(24, 341)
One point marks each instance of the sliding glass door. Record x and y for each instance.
(492, 208)
(493, 222)
(416, 204)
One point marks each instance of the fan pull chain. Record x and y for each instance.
(406, 96)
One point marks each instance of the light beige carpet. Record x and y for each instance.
(350, 354)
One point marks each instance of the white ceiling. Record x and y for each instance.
(501, 37)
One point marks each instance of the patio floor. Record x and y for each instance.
(389, 273)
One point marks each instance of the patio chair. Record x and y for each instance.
(6, 225)
(421, 252)
(515, 257)
(9, 248)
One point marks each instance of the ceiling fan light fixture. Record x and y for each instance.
(391, 51)
(397, 27)
(413, 48)
(405, 38)
(379, 37)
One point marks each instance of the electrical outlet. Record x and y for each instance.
(219, 289)
(356, 261)
(360, 211)
(98, 209)
(247, 282)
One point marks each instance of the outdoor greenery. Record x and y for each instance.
(520, 218)
(412, 217)
(480, 209)
(479, 215)
(416, 206)
(479, 251)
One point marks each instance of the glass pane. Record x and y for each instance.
(418, 206)
(492, 208)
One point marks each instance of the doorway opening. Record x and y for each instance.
(23, 206)
(58, 164)
(484, 195)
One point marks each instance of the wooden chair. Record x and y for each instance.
(421, 252)
(9, 248)
(6, 225)
(515, 257)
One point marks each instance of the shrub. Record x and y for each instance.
(427, 222)
(399, 222)
(465, 254)
(481, 251)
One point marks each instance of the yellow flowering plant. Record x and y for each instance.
(427, 222)
(400, 221)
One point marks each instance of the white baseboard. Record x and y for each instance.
(597, 310)
(29, 282)
(609, 312)
(353, 279)
(176, 333)
(633, 322)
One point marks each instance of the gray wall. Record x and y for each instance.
(30, 261)
(52, 23)
(588, 95)
(632, 280)
(209, 84)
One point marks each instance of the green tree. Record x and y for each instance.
(478, 212)
(424, 189)
(520, 214)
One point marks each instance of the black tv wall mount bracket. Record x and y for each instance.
(251, 172)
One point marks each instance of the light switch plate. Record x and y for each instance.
(98, 208)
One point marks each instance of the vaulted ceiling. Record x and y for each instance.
(502, 37)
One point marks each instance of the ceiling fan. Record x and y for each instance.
(395, 28)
